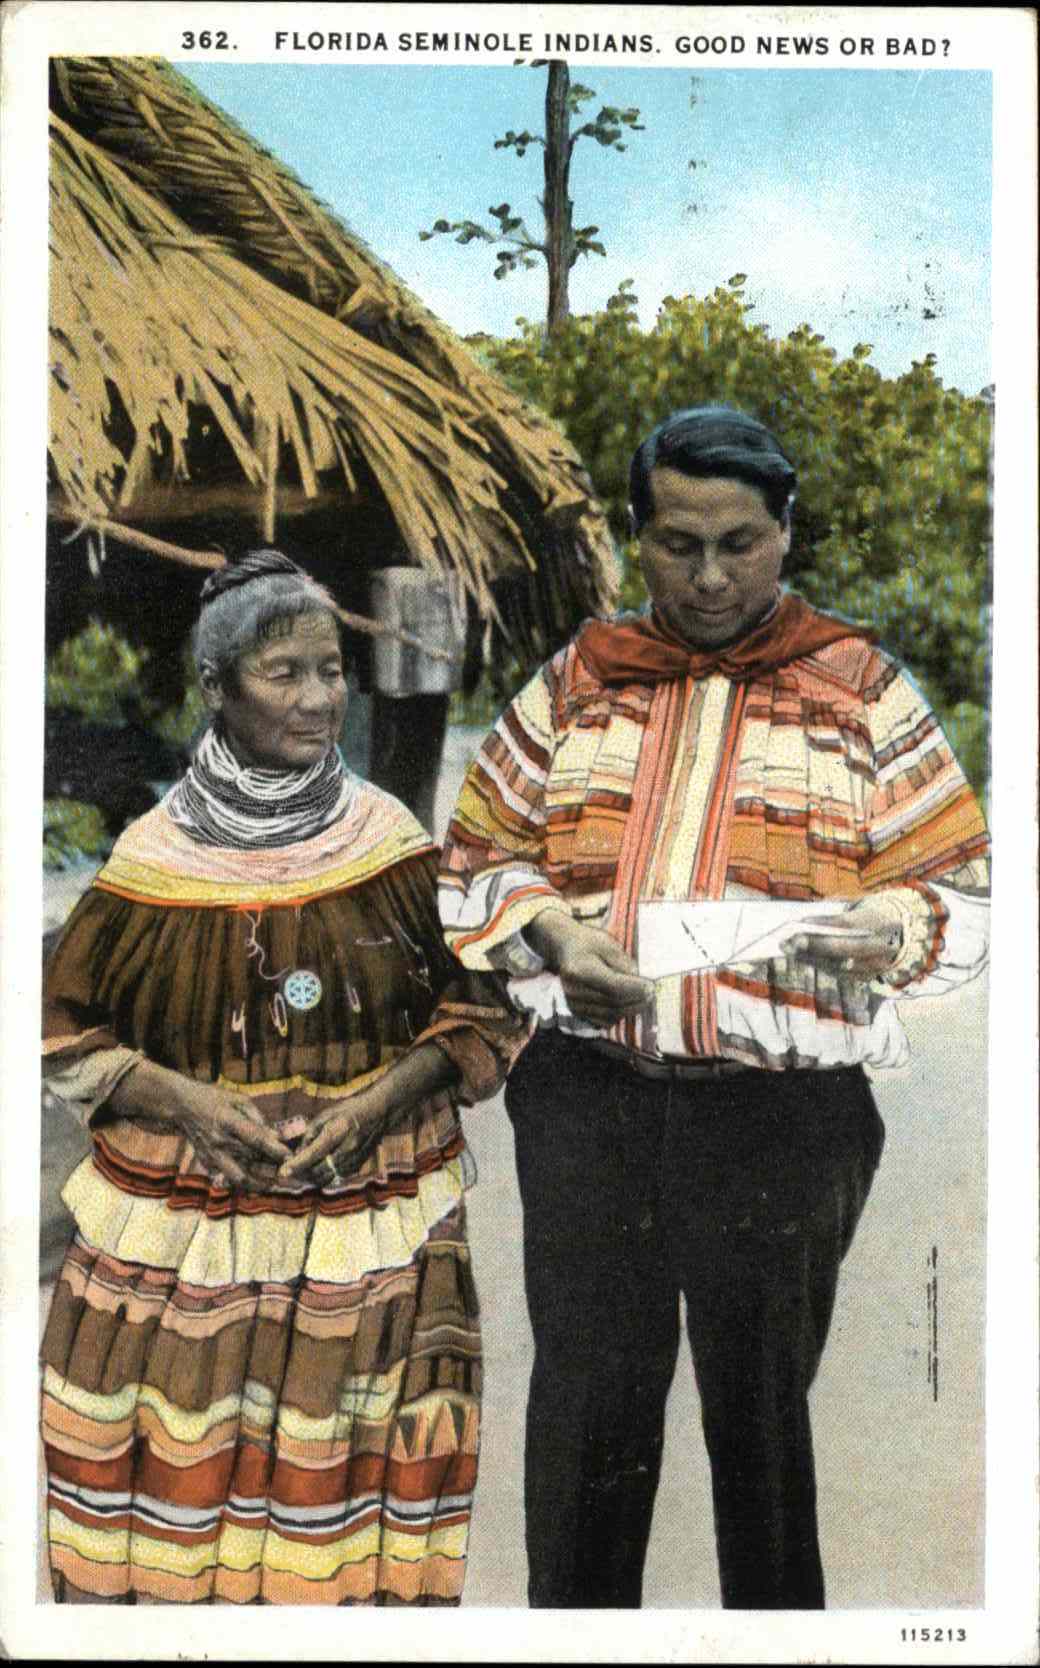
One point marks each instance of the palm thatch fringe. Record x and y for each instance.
(177, 324)
(234, 288)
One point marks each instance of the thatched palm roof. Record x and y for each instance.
(191, 270)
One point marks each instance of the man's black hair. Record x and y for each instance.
(713, 440)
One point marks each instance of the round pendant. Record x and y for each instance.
(302, 989)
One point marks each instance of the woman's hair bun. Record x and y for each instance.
(239, 602)
(257, 564)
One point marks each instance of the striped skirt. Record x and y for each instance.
(275, 1442)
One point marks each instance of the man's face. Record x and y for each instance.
(711, 556)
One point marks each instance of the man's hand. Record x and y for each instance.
(600, 980)
(864, 940)
(230, 1140)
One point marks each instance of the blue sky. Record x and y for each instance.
(856, 201)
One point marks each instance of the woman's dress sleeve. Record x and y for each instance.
(83, 1058)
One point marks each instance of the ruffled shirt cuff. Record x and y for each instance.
(913, 914)
(945, 938)
(86, 1083)
(483, 922)
(516, 957)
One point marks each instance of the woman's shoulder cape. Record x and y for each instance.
(156, 861)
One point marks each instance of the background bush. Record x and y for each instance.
(71, 830)
(95, 674)
(106, 739)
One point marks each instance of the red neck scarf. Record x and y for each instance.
(641, 651)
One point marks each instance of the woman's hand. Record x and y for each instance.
(229, 1137)
(230, 1141)
(345, 1133)
(600, 980)
(339, 1138)
(864, 940)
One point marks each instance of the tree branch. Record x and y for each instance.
(212, 559)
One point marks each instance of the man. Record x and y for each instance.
(711, 1133)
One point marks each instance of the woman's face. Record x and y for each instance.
(284, 707)
(711, 556)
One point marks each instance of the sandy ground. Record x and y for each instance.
(899, 1468)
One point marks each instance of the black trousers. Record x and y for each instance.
(742, 1193)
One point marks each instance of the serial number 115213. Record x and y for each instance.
(933, 1635)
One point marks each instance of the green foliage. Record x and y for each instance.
(892, 522)
(94, 673)
(518, 142)
(518, 247)
(97, 674)
(72, 830)
(967, 730)
(586, 243)
(606, 128)
(577, 95)
(482, 706)
(179, 725)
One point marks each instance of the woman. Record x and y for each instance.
(711, 1133)
(262, 1361)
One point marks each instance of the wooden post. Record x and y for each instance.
(407, 744)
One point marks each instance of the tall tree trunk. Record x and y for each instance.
(556, 202)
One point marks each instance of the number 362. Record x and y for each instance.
(206, 40)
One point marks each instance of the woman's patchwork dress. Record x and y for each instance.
(266, 1397)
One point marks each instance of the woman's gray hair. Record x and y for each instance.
(243, 604)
